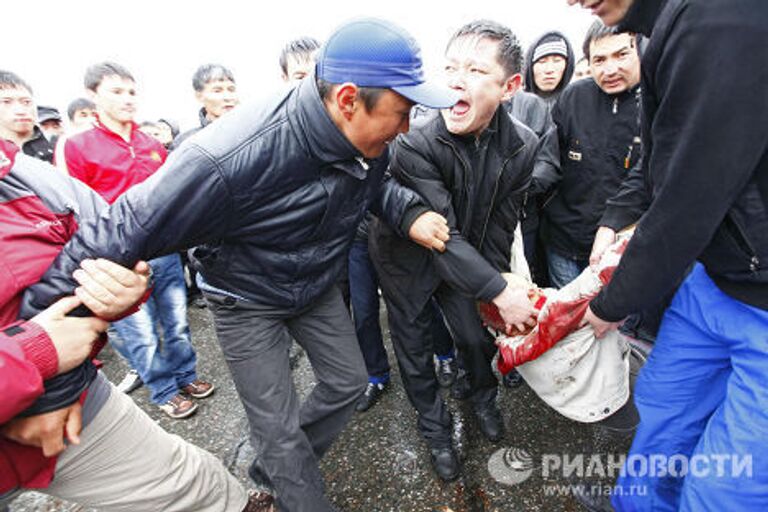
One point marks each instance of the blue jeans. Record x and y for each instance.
(167, 365)
(562, 269)
(364, 295)
(703, 394)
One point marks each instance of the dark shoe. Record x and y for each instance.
(490, 421)
(199, 389)
(445, 369)
(446, 463)
(131, 382)
(260, 502)
(513, 379)
(370, 396)
(179, 407)
(258, 475)
(460, 390)
(589, 499)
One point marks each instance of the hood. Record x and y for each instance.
(530, 86)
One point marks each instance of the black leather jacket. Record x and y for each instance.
(479, 187)
(270, 195)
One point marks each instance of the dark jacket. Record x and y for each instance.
(204, 121)
(599, 141)
(479, 187)
(534, 113)
(706, 153)
(530, 84)
(39, 147)
(270, 196)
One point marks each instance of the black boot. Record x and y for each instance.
(461, 388)
(445, 370)
(370, 396)
(258, 475)
(490, 421)
(446, 463)
(513, 379)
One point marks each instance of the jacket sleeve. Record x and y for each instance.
(629, 203)
(704, 150)
(27, 358)
(461, 265)
(182, 205)
(398, 206)
(547, 173)
(546, 168)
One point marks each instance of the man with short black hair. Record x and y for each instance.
(216, 90)
(111, 158)
(18, 118)
(297, 58)
(270, 196)
(81, 113)
(599, 140)
(471, 163)
(703, 394)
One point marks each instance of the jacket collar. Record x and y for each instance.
(320, 137)
(203, 116)
(641, 16)
(101, 126)
(8, 152)
(501, 127)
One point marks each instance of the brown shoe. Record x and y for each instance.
(198, 389)
(179, 407)
(260, 502)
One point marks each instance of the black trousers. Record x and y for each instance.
(413, 347)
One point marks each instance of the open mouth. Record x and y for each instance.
(460, 108)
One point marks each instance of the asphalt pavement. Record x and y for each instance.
(380, 463)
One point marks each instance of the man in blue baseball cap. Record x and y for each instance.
(270, 196)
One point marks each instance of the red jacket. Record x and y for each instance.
(39, 212)
(108, 164)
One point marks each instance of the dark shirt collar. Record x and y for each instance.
(203, 115)
(641, 17)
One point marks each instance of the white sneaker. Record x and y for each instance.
(130, 382)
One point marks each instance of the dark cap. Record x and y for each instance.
(376, 53)
(47, 114)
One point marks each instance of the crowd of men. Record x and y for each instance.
(286, 218)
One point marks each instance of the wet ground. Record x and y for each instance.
(381, 464)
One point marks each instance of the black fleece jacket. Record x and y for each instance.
(705, 162)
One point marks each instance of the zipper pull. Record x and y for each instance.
(133, 154)
(362, 163)
(615, 105)
(628, 158)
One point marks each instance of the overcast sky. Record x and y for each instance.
(50, 43)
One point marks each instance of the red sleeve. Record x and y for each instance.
(27, 358)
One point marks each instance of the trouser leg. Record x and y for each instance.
(126, 463)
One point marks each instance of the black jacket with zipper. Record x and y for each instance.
(599, 142)
(705, 162)
(479, 186)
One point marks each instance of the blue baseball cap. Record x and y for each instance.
(376, 53)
